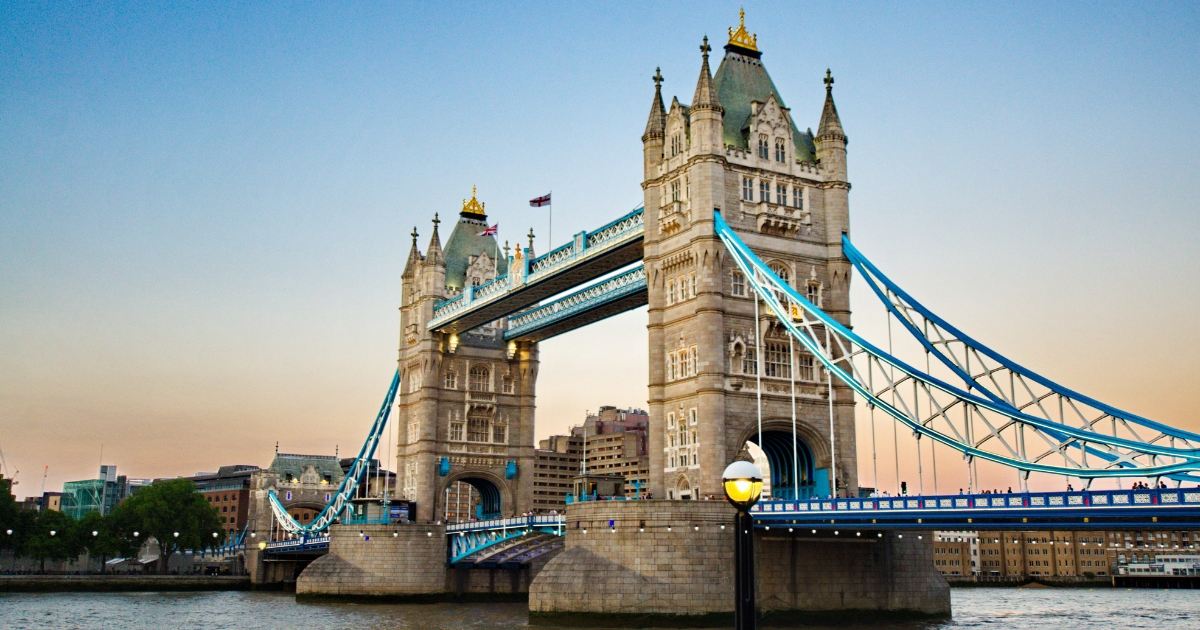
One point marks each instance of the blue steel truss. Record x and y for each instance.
(467, 539)
(584, 247)
(345, 490)
(975, 426)
(1005, 381)
(586, 299)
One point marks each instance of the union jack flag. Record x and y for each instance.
(538, 202)
(490, 231)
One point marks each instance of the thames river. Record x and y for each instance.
(1059, 608)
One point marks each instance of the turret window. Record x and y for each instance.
(780, 150)
(781, 194)
(747, 189)
(798, 198)
(738, 284)
(763, 150)
(764, 191)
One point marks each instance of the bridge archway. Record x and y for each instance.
(802, 477)
(495, 497)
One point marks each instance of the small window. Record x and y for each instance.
(747, 189)
(781, 271)
(764, 191)
(805, 370)
(798, 198)
(780, 150)
(777, 363)
(762, 148)
(507, 385)
(500, 434)
(738, 283)
(670, 292)
(451, 380)
(675, 190)
(813, 293)
(781, 194)
(750, 361)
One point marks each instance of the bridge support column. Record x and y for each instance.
(391, 561)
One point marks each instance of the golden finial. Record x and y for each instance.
(473, 206)
(740, 37)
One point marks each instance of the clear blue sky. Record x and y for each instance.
(205, 207)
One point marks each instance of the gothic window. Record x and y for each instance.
(675, 190)
(776, 359)
(780, 150)
(451, 380)
(671, 291)
(692, 420)
(798, 198)
(499, 434)
(747, 189)
(805, 370)
(750, 361)
(477, 428)
(781, 194)
(480, 379)
(781, 271)
(763, 151)
(738, 283)
(456, 431)
(695, 461)
(692, 279)
(813, 292)
(691, 361)
(507, 385)
(475, 281)
(414, 432)
(764, 191)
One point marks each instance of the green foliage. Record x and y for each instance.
(174, 513)
(99, 536)
(9, 516)
(52, 536)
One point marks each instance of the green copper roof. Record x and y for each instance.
(292, 466)
(465, 242)
(740, 79)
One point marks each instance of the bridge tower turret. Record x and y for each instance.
(464, 409)
(736, 148)
(652, 139)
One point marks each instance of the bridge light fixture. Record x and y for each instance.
(453, 342)
(214, 534)
(835, 532)
(879, 535)
(95, 533)
(814, 531)
(8, 531)
(743, 484)
(668, 529)
(585, 531)
(790, 530)
(136, 534)
(262, 545)
(858, 533)
(428, 534)
(176, 534)
(52, 532)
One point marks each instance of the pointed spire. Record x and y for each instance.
(656, 124)
(530, 241)
(434, 251)
(831, 124)
(706, 94)
(414, 255)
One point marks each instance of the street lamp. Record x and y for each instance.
(743, 485)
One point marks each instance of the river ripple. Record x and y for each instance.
(1056, 608)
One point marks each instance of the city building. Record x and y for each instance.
(228, 490)
(557, 460)
(48, 501)
(98, 495)
(612, 442)
(1065, 555)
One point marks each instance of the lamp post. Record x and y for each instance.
(743, 486)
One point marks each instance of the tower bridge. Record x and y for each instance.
(741, 251)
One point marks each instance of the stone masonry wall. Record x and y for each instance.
(386, 561)
(688, 570)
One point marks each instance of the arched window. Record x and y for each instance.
(763, 150)
(813, 292)
(782, 271)
(480, 379)
(780, 150)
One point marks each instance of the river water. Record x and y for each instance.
(1055, 608)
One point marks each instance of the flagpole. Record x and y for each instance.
(550, 230)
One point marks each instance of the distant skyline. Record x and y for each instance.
(205, 208)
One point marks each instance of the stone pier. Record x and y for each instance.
(641, 560)
(387, 561)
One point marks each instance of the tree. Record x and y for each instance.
(174, 513)
(99, 535)
(52, 537)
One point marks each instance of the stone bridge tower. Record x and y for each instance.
(464, 410)
(737, 148)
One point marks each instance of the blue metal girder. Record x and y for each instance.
(1146, 509)
(779, 296)
(588, 256)
(608, 297)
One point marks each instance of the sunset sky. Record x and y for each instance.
(205, 207)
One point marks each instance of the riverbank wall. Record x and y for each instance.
(122, 583)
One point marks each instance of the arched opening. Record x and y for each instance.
(472, 497)
(790, 478)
